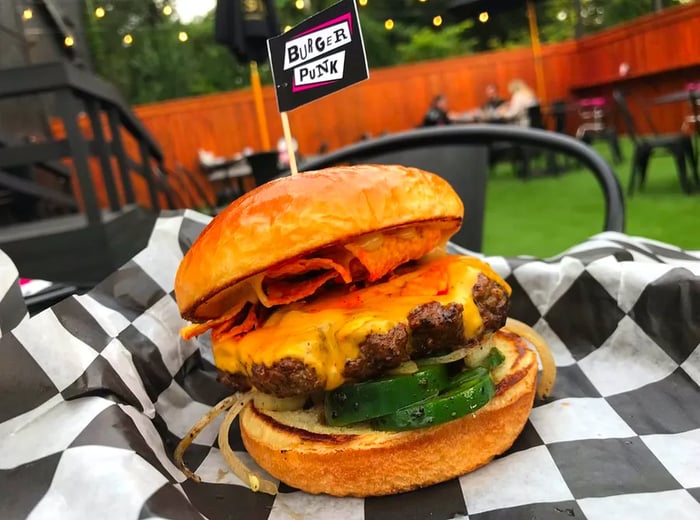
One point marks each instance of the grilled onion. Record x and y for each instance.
(407, 368)
(239, 469)
(278, 404)
(455, 355)
(549, 368)
(191, 435)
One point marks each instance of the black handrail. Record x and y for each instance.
(78, 93)
(49, 77)
(486, 135)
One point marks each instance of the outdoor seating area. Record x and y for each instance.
(171, 273)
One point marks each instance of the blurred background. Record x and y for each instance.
(113, 105)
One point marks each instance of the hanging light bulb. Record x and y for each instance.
(183, 36)
(299, 4)
(127, 40)
(362, 3)
(167, 10)
(100, 12)
(287, 28)
(69, 41)
(484, 17)
(437, 21)
(27, 14)
(389, 24)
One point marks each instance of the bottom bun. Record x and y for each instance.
(298, 449)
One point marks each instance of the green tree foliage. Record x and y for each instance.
(153, 64)
(157, 66)
(428, 44)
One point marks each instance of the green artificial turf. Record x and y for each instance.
(545, 215)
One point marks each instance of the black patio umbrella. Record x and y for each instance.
(464, 9)
(244, 27)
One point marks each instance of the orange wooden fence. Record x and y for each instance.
(661, 50)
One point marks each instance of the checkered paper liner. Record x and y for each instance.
(12, 307)
(96, 392)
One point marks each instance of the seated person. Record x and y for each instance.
(437, 114)
(522, 98)
(493, 100)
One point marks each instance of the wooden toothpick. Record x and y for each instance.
(290, 144)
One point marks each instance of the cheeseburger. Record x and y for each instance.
(362, 358)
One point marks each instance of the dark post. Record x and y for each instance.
(148, 174)
(68, 109)
(120, 154)
(102, 149)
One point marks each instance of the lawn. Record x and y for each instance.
(546, 215)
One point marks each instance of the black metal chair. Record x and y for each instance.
(609, 135)
(593, 111)
(694, 118)
(529, 153)
(558, 112)
(522, 157)
(460, 155)
(265, 166)
(680, 146)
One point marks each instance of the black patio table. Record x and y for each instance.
(96, 392)
(230, 173)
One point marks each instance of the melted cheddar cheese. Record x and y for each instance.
(327, 332)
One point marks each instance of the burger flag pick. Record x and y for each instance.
(322, 55)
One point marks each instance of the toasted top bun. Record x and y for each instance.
(295, 216)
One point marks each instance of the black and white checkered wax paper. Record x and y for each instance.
(12, 307)
(96, 392)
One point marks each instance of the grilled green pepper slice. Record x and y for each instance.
(357, 402)
(494, 358)
(466, 377)
(469, 395)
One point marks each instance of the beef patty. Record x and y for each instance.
(433, 329)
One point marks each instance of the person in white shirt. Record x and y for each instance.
(522, 98)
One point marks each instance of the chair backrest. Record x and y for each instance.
(623, 107)
(534, 115)
(264, 165)
(559, 113)
(459, 153)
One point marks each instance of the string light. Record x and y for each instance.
(69, 41)
(167, 10)
(287, 28)
(362, 3)
(389, 24)
(183, 36)
(422, 1)
(100, 12)
(562, 15)
(128, 39)
(27, 14)
(484, 17)
(437, 21)
(299, 4)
